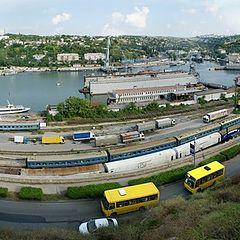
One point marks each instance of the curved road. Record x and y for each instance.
(69, 214)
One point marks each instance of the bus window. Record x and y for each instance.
(128, 199)
(203, 177)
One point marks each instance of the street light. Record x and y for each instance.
(237, 84)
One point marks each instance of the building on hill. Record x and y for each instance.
(94, 56)
(67, 57)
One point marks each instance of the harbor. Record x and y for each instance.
(39, 89)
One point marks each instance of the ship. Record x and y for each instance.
(13, 109)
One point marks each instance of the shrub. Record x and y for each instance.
(231, 152)
(3, 192)
(30, 193)
(90, 191)
(164, 177)
(219, 157)
(222, 224)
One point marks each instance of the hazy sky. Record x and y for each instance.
(117, 17)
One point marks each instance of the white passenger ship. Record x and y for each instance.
(12, 109)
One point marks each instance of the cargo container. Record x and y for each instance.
(20, 139)
(131, 136)
(209, 117)
(145, 127)
(81, 136)
(166, 122)
(101, 141)
(52, 140)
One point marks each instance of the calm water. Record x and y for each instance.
(36, 90)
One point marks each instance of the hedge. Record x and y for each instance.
(231, 152)
(164, 177)
(90, 191)
(3, 192)
(30, 193)
(218, 157)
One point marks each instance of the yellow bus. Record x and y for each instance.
(128, 199)
(198, 179)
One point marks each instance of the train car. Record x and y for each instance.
(195, 134)
(228, 126)
(230, 135)
(140, 149)
(142, 162)
(30, 126)
(82, 159)
(231, 122)
(200, 144)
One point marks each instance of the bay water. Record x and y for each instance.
(38, 89)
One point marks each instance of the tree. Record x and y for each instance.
(202, 100)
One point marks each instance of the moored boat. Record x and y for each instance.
(13, 109)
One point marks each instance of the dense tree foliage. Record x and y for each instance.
(75, 107)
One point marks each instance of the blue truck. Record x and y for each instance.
(81, 136)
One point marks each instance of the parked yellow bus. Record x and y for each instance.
(198, 179)
(128, 199)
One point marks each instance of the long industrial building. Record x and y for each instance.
(151, 94)
(104, 84)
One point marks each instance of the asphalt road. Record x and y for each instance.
(69, 214)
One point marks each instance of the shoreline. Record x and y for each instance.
(15, 69)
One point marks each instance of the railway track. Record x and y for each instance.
(10, 170)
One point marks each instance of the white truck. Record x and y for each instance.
(20, 139)
(131, 137)
(145, 127)
(106, 140)
(165, 122)
(209, 117)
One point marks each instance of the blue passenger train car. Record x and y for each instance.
(141, 149)
(30, 126)
(80, 160)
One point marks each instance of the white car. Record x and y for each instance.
(93, 224)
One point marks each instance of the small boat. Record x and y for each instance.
(58, 84)
(13, 109)
(84, 90)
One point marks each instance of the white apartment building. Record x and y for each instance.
(94, 56)
(67, 57)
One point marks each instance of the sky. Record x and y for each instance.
(180, 18)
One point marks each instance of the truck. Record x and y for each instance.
(145, 127)
(81, 136)
(131, 136)
(106, 140)
(209, 117)
(52, 139)
(20, 139)
(165, 122)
